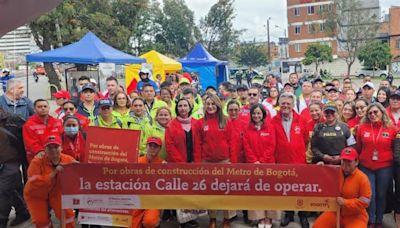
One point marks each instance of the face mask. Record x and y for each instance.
(71, 131)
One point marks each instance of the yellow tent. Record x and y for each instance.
(160, 64)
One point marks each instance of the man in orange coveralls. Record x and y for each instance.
(43, 186)
(149, 218)
(354, 197)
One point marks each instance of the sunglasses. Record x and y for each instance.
(105, 107)
(252, 94)
(375, 112)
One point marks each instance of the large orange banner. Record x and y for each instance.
(201, 186)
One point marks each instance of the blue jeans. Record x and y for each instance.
(380, 180)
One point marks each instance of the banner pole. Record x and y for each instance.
(338, 218)
(63, 217)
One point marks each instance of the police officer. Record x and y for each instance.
(329, 138)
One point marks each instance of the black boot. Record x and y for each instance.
(287, 219)
(304, 222)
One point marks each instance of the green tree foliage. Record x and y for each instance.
(375, 55)
(252, 54)
(71, 20)
(177, 30)
(317, 54)
(218, 34)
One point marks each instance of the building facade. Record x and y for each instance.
(16, 44)
(307, 25)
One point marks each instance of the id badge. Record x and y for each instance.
(375, 155)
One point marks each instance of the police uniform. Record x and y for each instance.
(330, 140)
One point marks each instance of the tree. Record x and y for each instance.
(217, 29)
(317, 54)
(252, 54)
(71, 20)
(354, 26)
(375, 55)
(178, 31)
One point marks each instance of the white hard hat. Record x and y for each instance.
(144, 70)
(93, 81)
(6, 70)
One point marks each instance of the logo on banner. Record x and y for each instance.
(297, 130)
(76, 201)
(300, 203)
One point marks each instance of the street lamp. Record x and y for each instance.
(269, 45)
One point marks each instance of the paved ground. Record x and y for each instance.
(238, 223)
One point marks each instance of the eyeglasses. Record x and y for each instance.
(69, 109)
(252, 94)
(375, 112)
(233, 110)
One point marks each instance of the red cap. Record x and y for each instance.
(155, 140)
(62, 94)
(53, 139)
(349, 153)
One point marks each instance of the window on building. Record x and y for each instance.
(325, 8)
(297, 29)
(297, 48)
(311, 28)
(322, 27)
(310, 10)
(296, 11)
(326, 43)
(398, 43)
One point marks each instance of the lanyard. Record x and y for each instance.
(375, 140)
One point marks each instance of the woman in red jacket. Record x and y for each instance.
(317, 116)
(236, 126)
(215, 145)
(375, 137)
(259, 144)
(73, 138)
(349, 114)
(180, 140)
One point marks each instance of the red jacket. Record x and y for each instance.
(389, 112)
(35, 133)
(353, 122)
(214, 142)
(305, 114)
(236, 130)
(260, 144)
(293, 152)
(384, 138)
(74, 148)
(175, 142)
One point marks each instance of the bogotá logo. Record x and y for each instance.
(300, 203)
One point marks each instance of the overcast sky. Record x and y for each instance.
(252, 15)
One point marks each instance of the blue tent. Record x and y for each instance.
(211, 71)
(89, 50)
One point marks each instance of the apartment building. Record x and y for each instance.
(306, 25)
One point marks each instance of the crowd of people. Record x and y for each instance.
(312, 122)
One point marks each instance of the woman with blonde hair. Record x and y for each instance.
(375, 137)
(215, 144)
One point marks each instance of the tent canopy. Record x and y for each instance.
(160, 64)
(211, 71)
(89, 50)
